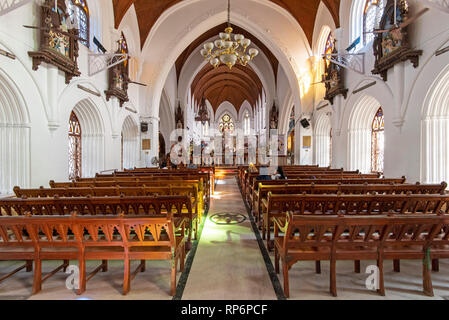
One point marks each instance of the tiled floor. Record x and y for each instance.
(229, 265)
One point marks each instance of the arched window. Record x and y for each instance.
(372, 14)
(79, 7)
(378, 142)
(226, 124)
(329, 48)
(74, 147)
(123, 45)
(246, 124)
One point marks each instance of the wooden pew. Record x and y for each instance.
(137, 183)
(180, 206)
(367, 205)
(189, 191)
(203, 182)
(254, 188)
(262, 191)
(93, 238)
(206, 174)
(312, 176)
(333, 238)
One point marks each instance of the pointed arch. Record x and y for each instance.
(14, 137)
(435, 131)
(323, 140)
(130, 143)
(359, 133)
(93, 149)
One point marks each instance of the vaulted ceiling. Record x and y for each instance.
(148, 11)
(221, 84)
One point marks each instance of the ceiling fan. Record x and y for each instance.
(395, 30)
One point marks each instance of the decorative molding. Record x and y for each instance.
(53, 125)
(398, 122)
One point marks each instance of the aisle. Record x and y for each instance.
(228, 263)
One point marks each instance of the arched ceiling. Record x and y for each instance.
(148, 11)
(221, 84)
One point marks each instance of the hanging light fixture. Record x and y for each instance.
(228, 51)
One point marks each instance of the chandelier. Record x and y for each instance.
(229, 52)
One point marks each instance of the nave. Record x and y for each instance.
(229, 262)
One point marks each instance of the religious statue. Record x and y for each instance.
(274, 115)
(333, 77)
(392, 46)
(179, 117)
(58, 44)
(118, 77)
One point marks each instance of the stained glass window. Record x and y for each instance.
(371, 18)
(226, 124)
(74, 147)
(81, 11)
(123, 46)
(378, 142)
(329, 48)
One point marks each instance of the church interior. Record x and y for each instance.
(224, 149)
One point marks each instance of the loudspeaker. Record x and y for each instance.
(305, 124)
(143, 127)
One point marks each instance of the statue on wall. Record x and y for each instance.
(333, 77)
(119, 75)
(179, 117)
(58, 44)
(203, 114)
(391, 43)
(274, 116)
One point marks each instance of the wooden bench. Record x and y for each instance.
(207, 176)
(262, 191)
(251, 177)
(179, 206)
(189, 191)
(254, 187)
(202, 199)
(92, 238)
(367, 205)
(382, 237)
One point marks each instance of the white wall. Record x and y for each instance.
(49, 101)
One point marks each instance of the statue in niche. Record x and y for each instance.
(392, 47)
(179, 117)
(274, 116)
(119, 75)
(58, 44)
(333, 77)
